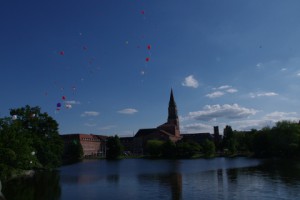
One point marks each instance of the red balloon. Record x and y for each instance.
(149, 47)
(142, 12)
(62, 53)
(147, 59)
(63, 97)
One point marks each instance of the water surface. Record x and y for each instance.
(218, 178)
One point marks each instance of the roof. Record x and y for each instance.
(145, 132)
(82, 136)
(197, 136)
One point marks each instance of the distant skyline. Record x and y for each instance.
(107, 66)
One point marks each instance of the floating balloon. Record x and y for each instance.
(58, 105)
(62, 53)
(147, 59)
(63, 97)
(14, 117)
(149, 47)
(69, 106)
(85, 48)
(142, 12)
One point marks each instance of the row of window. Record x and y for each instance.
(91, 139)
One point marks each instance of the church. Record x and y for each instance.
(164, 132)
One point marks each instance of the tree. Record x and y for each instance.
(73, 152)
(169, 149)
(43, 130)
(208, 148)
(229, 141)
(114, 147)
(154, 147)
(187, 149)
(33, 136)
(285, 139)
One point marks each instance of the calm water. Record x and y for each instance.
(218, 178)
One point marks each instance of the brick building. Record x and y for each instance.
(92, 145)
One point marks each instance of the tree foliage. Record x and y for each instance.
(154, 147)
(29, 139)
(114, 147)
(73, 152)
(209, 148)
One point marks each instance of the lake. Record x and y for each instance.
(217, 178)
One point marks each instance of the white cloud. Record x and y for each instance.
(233, 111)
(215, 94)
(279, 116)
(190, 81)
(267, 120)
(128, 111)
(196, 127)
(232, 90)
(298, 74)
(283, 69)
(223, 87)
(263, 94)
(90, 114)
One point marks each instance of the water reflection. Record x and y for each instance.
(171, 182)
(44, 185)
(162, 179)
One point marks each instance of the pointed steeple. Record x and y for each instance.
(172, 101)
(172, 111)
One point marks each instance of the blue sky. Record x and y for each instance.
(232, 62)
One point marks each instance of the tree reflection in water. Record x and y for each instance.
(44, 185)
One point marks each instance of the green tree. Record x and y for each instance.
(169, 149)
(229, 141)
(114, 147)
(73, 152)
(285, 139)
(187, 149)
(43, 130)
(154, 147)
(208, 148)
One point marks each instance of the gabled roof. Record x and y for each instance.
(145, 132)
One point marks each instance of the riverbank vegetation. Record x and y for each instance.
(29, 139)
(281, 141)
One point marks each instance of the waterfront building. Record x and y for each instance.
(169, 130)
(92, 145)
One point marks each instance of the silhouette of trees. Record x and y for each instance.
(114, 147)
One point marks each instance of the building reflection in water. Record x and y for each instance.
(171, 182)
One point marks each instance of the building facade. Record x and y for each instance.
(92, 145)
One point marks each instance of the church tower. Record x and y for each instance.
(172, 111)
(172, 114)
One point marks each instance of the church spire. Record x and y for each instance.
(172, 111)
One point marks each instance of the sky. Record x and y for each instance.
(107, 66)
